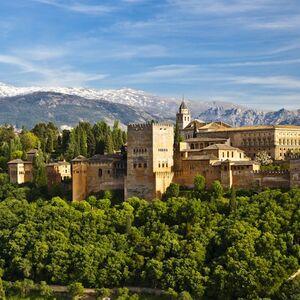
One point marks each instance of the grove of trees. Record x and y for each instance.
(85, 139)
(203, 245)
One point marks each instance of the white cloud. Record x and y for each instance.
(165, 73)
(40, 53)
(258, 63)
(55, 76)
(79, 7)
(219, 7)
(285, 82)
(281, 23)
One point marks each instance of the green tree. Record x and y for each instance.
(39, 170)
(185, 296)
(45, 290)
(217, 189)
(75, 290)
(172, 190)
(232, 200)
(177, 136)
(29, 140)
(2, 291)
(199, 183)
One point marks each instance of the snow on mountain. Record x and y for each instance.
(125, 96)
(138, 103)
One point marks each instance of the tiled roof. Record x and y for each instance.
(16, 161)
(220, 147)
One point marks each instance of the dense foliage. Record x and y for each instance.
(209, 244)
(85, 139)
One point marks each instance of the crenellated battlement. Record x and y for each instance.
(137, 126)
(273, 173)
(295, 157)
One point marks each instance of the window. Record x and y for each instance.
(145, 165)
(100, 172)
(134, 166)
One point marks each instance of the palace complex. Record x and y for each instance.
(215, 150)
(152, 160)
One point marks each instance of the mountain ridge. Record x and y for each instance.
(67, 106)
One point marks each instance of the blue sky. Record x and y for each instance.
(243, 51)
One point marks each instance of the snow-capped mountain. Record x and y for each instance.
(126, 96)
(67, 106)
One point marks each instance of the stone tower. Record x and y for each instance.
(149, 160)
(79, 178)
(183, 117)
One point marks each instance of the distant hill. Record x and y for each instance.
(67, 106)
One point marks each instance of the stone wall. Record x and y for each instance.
(79, 180)
(149, 151)
(272, 179)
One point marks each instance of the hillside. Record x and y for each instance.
(67, 106)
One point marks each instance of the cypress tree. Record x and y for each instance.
(39, 170)
(232, 201)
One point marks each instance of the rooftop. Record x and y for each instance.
(259, 127)
(220, 147)
(202, 157)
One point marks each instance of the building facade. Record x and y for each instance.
(149, 159)
(21, 171)
(215, 150)
(96, 174)
(279, 141)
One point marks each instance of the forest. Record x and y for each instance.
(85, 139)
(192, 244)
(204, 244)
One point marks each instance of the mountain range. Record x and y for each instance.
(26, 106)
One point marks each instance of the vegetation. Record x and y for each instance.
(85, 139)
(204, 246)
(263, 158)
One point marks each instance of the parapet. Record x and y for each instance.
(138, 126)
(274, 173)
(294, 157)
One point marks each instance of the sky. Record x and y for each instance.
(242, 51)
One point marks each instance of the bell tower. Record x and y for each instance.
(183, 117)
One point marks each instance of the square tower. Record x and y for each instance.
(149, 160)
(183, 117)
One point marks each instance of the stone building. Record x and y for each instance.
(220, 162)
(215, 150)
(183, 117)
(21, 171)
(98, 173)
(149, 159)
(57, 172)
(279, 141)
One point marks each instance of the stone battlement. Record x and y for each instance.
(295, 157)
(138, 126)
(274, 173)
